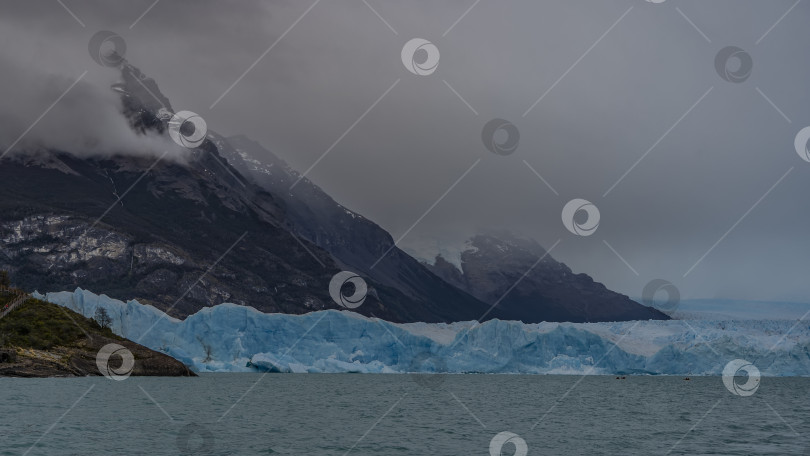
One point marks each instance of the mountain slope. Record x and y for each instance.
(40, 339)
(552, 293)
(354, 241)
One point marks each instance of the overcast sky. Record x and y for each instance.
(616, 78)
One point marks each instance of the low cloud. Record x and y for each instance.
(87, 120)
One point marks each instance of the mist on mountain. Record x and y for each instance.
(86, 122)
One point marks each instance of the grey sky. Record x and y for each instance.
(596, 122)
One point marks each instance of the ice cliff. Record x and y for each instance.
(235, 338)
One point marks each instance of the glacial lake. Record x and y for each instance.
(363, 414)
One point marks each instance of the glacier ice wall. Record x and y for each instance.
(233, 338)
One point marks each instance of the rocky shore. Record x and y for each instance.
(40, 339)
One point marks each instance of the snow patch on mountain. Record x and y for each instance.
(426, 250)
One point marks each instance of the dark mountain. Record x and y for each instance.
(186, 236)
(550, 291)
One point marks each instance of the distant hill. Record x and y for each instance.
(529, 285)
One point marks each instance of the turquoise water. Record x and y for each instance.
(400, 415)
